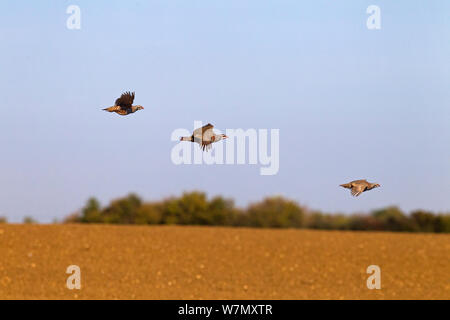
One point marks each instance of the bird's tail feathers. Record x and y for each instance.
(112, 109)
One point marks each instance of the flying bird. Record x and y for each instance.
(359, 186)
(124, 105)
(205, 137)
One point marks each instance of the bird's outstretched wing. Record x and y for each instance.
(362, 181)
(208, 135)
(126, 100)
(199, 132)
(357, 190)
(203, 136)
(207, 127)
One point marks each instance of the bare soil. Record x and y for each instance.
(173, 262)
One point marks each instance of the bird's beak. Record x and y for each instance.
(225, 136)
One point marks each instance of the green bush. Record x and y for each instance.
(149, 213)
(123, 211)
(442, 223)
(193, 209)
(366, 222)
(222, 211)
(318, 220)
(393, 219)
(275, 212)
(91, 213)
(29, 220)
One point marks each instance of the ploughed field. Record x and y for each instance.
(173, 262)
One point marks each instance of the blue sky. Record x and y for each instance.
(350, 102)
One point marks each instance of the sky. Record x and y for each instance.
(349, 102)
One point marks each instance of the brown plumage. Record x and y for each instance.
(124, 105)
(204, 136)
(359, 186)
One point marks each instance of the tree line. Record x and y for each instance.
(194, 208)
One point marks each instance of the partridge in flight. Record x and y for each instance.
(124, 105)
(205, 137)
(359, 186)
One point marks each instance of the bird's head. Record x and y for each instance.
(218, 137)
(139, 108)
(376, 185)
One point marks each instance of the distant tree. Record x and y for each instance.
(149, 213)
(91, 213)
(73, 218)
(124, 211)
(393, 219)
(316, 220)
(425, 221)
(222, 211)
(319, 220)
(275, 212)
(240, 218)
(340, 221)
(170, 211)
(442, 223)
(29, 220)
(365, 222)
(3, 219)
(193, 209)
